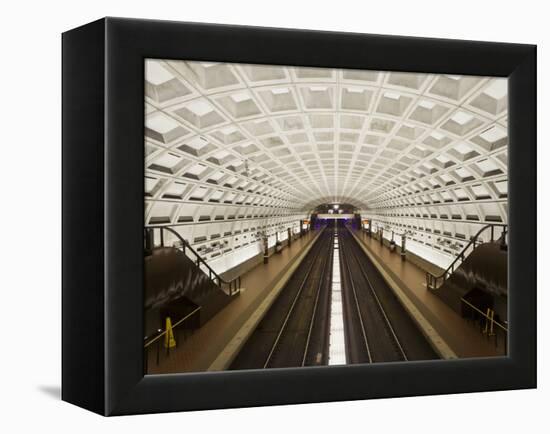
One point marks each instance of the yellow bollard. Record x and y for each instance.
(169, 341)
(492, 322)
(486, 329)
(489, 322)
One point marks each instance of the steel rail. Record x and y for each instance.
(495, 322)
(354, 291)
(317, 296)
(379, 304)
(289, 313)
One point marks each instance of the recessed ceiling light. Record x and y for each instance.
(208, 64)
(462, 148)
(498, 89)
(426, 104)
(462, 118)
(280, 91)
(156, 74)
(493, 134)
(229, 130)
(160, 123)
(200, 107)
(240, 97)
(392, 95)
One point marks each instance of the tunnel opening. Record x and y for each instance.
(336, 214)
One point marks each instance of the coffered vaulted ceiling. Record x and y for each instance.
(253, 141)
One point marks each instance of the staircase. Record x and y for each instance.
(478, 275)
(179, 282)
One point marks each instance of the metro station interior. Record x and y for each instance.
(300, 216)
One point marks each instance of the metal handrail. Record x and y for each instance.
(233, 284)
(161, 334)
(501, 326)
(489, 323)
(157, 339)
(432, 280)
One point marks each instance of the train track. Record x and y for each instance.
(365, 314)
(378, 329)
(294, 331)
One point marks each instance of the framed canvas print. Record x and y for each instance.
(258, 216)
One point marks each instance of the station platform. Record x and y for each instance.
(212, 346)
(461, 336)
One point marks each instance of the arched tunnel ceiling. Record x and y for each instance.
(254, 140)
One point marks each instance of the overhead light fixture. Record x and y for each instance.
(336, 206)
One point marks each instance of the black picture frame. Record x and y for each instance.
(103, 170)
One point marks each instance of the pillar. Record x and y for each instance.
(149, 240)
(392, 242)
(266, 250)
(289, 231)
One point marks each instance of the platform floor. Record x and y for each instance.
(461, 335)
(200, 349)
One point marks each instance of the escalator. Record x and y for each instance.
(478, 277)
(178, 282)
